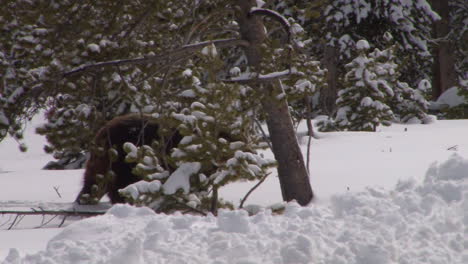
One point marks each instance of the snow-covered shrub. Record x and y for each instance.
(362, 102)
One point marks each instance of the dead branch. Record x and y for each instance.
(253, 189)
(265, 137)
(56, 188)
(63, 221)
(310, 132)
(183, 51)
(19, 216)
(44, 223)
(189, 208)
(14, 221)
(52, 212)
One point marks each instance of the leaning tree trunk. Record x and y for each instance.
(293, 176)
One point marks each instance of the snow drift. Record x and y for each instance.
(415, 223)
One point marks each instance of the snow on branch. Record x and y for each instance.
(174, 54)
(254, 77)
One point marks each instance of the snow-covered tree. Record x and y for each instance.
(408, 104)
(362, 102)
(377, 73)
(218, 147)
(41, 40)
(458, 35)
(408, 21)
(348, 21)
(308, 14)
(87, 62)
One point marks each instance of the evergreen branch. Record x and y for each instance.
(167, 55)
(204, 24)
(271, 77)
(137, 23)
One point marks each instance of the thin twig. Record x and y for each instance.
(310, 132)
(43, 220)
(253, 189)
(14, 221)
(265, 137)
(57, 191)
(308, 154)
(45, 223)
(7, 221)
(63, 221)
(455, 147)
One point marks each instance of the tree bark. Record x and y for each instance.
(329, 94)
(292, 173)
(444, 61)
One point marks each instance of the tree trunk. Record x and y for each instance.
(293, 176)
(329, 94)
(444, 61)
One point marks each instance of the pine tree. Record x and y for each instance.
(222, 149)
(40, 41)
(408, 104)
(361, 103)
(458, 36)
(87, 62)
(308, 14)
(349, 21)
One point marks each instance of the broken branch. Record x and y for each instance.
(220, 43)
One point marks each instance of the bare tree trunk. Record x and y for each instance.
(329, 94)
(293, 176)
(444, 61)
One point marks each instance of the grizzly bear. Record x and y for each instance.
(135, 128)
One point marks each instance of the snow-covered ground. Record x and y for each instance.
(399, 195)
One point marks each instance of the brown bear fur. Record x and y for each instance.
(135, 128)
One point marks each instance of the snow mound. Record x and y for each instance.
(414, 223)
(451, 97)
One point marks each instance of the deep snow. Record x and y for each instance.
(412, 224)
(418, 219)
